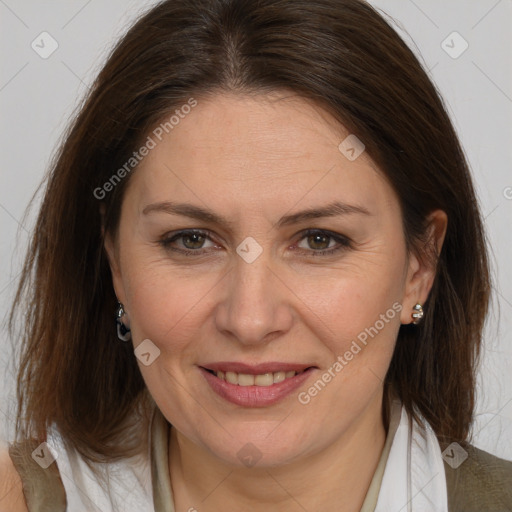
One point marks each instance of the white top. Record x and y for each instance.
(415, 458)
(129, 489)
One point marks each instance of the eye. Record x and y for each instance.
(192, 241)
(322, 243)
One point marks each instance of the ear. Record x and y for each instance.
(421, 271)
(112, 252)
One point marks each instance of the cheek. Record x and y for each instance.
(362, 296)
(167, 305)
(359, 324)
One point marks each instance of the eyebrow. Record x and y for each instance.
(334, 209)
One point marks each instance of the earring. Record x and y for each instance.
(417, 315)
(123, 332)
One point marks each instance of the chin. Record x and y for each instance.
(259, 450)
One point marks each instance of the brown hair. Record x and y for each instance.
(341, 54)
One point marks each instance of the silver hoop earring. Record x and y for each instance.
(123, 332)
(417, 314)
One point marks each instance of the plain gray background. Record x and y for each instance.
(38, 96)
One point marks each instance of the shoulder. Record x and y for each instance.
(481, 481)
(33, 486)
(11, 487)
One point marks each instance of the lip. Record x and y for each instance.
(256, 396)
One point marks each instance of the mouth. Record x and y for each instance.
(255, 385)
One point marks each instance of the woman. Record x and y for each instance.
(258, 278)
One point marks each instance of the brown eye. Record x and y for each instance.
(323, 243)
(187, 242)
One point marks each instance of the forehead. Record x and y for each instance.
(256, 151)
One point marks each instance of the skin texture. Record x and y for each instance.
(252, 160)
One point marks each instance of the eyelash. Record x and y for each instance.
(344, 242)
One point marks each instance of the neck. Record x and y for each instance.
(339, 474)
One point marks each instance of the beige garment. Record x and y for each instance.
(43, 488)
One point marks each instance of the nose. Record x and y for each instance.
(255, 306)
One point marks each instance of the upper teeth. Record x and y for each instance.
(265, 379)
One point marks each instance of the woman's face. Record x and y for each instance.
(251, 176)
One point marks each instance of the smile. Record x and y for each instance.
(255, 386)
